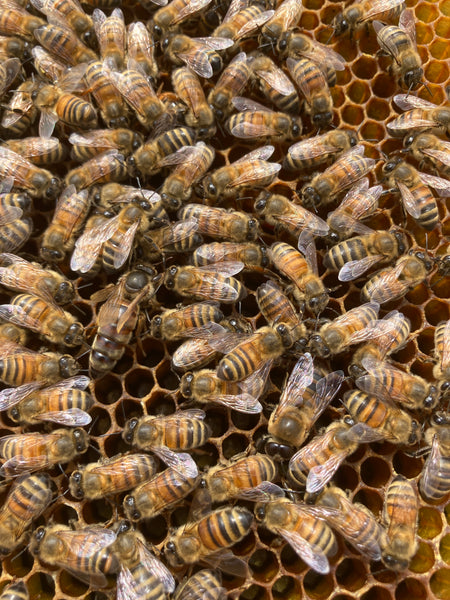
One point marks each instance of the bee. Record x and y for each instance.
(9, 69)
(163, 490)
(28, 498)
(28, 452)
(264, 345)
(394, 282)
(250, 170)
(347, 170)
(441, 370)
(359, 14)
(12, 46)
(395, 425)
(434, 480)
(111, 476)
(111, 195)
(20, 112)
(286, 17)
(175, 12)
(417, 198)
(314, 151)
(317, 462)
(205, 584)
(308, 289)
(92, 143)
(12, 337)
(354, 521)
(230, 84)
(141, 575)
(18, 274)
(213, 282)
(86, 553)
(67, 13)
(191, 164)
(226, 225)
(64, 43)
(260, 123)
(177, 237)
(288, 217)
(429, 149)
(209, 536)
(140, 49)
(111, 36)
(274, 84)
(199, 54)
(15, 20)
(176, 324)
(400, 43)
(239, 23)
(147, 159)
(109, 166)
(252, 255)
(21, 365)
(183, 430)
(358, 203)
(117, 319)
(15, 591)
(47, 66)
(37, 182)
(111, 103)
(400, 512)
(313, 85)
(310, 537)
(422, 115)
(38, 150)
(294, 415)
(199, 115)
(14, 228)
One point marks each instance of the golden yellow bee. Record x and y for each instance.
(37, 182)
(226, 225)
(199, 115)
(64, 43)
(313, 85)
(286, 17)
(176, 324)
(241, 22)
(429, 149)
(20, 112)
(111, 36)
(109, 166)
(38, 150)
(230, 84)
(421, 115)
(112, 105)
(9, 69)
(206, 583)
(358, 14)
(441, 370)
(181, 236)
(314, 151)
(140, 49)
(15, 20)
(251, 254)
(69, 13)
(275, 84)
(257, 122)
(20, 365)
(88, 144)
(175, 12)
(15, 591)
(199, 54)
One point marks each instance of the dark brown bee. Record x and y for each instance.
(358, 14)
(11, 46)
(64, 43)
(316, 150)
(9, 69)
(37, 182)
(109, 100)
(177, 237)
(111, 36)
(92, 143)
(421, 115)
(199, 54)
(15, 229)
(216, 222)
(230, 84)
(313, 85)
(176, 324)
(20, 112)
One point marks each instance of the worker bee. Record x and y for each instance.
(177, 237)
(109, 100)
(428, 148)
(422, 115)
(204, 584)
(199, 115)
(64, 43)
(316, 150)
(395, 425)
(394, 282)
(313, 85)
(310, 537)
(434, 480)
(176, 324)
(163, 490)
(275, 85)
(20, 365)
(358, 203)
(250, 170)
(28, 452)
(9, 69)
(441, 370)
(252, 255)
(86, 553)
(12, 46)
(417, 198)
(260, 123)
(109, 166)
(92, 143)
(400, 513)
(20, 113)
(213, 282)
(286, 17)
(37, 182)
(67, 13)
(242, 22)
(199, 54)
(147, 160)
(12, 337)
(111, 476)
(175, 12)
(294, 415)
(325, 186)
(317, 462)
(15, 591)
(183, 430)
(28, 498)
(14, 228)
(230, 84)
(47, 66)
(15, 20)
(226, 225)
(308, 289)
(359, 14)
(38, 150)
(140, 49)
(111, 36)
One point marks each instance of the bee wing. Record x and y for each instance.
(364, 434)
(412, 206)
(226, 561)
(433, 465)
(89, 245)
(306, 219)
(141, 39)
(227, 268)
(388, 279)
(442, 186)
(191, 413)
(156, 567)
(126, 586)
(376, 7)
(247, 104)
(307, 247)
(235, 7)
(47, 122)
(214, 43)
(182, 155)
(386, 43)
(20, 464)
(262, 154)
(442, 155)
(324, 55)
(11, 68)
(408, 102)
(264, 492)
(189, 8)
(10, 214)
(303, 83)
(311, 554)
(310, 148)
(445, 359)
(254, 23)
(179, 461)
(259, 169)
(320, 475)
(18, 316)
(122, 252)
(326, 389)
(301, 376)
(355, 268)
(92, 139)
(15, 166)
(12, 396)
(244, 402)
(277, 80)
(407, 22)
(71, 417)
(246, 129)
(198, 61)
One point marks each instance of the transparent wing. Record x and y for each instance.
(313, 556)
(355, 268)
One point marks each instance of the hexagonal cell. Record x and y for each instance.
(101, 421)
(370, 498)
(150, 352)
(430, 522)
(351, 574)
(42, 584)
(291, 561)
(139, 383)
(375, 472)
(444, 548)
(437, 72)
(407, 465)
(264, 565)
(254, 592)
(18, 565)
(411, 588)
(108, 389)
(317, 586)
(440, 584)
(234, 444)
(423, 560)
(435, 311)
(377, 593)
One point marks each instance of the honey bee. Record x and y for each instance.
(109, 166)
(177, 237)
(206, 539)
(400, 512)
(111, 195)
(112, 105)
(12, 46)
(15, 20)
(15, 591)
(37, 182)
(358, 203)
(27, 452)
(183, 430)
(21, 365)
(354, 521)
(286, 17)
(176, 324)
(9, 69)
(394, 282)
(20, 113)
(142, 576)
(308, 289)
(111, 476)
(213, 282)
(199, 54)
(66, 13)
(14, 229)
(230, 84)
(38, 150)
(310, 537)
(395, 425)
(316, 150)
(163, 490)
(313, 85)
(441, 370)
(199, 115)
(239, 23)
(294, 415)
(275, 85)
(175, 12)
(92, 143)
(48, 67)
(417, 198)
(325, 186)
(433, 482)
(226, 225)
(117, 319)
(428, 148)
(252, 255)
(147, 159)
(28, 498)
(204, 584)
(111, 36)
(317, 462)
(260, 123)
(422, 115)
(140, 49)
(86, 553)
(64, 43)
(359, 14)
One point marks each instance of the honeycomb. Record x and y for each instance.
(144, 383)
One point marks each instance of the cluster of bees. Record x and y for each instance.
(142, 205)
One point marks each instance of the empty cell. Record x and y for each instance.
(377, 109)
(150, 352)
(317, 586)
(234, 444)
(98, 511)
(358, 91)
(375, 472)
(377, 593)
(370, 498)
(411, 588)
(126, 410)
(264, 565)
(108, 389)
(353, 115)
(351, 574)
(139, 383)
(383, 86)
(291, 561)
(101, 421)
(309, 20)
(439, 49)
(254, 592)
(365, 67)
(437, 311)
(71, 586)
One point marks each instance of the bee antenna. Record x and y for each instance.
(85, 285)
(333, 31)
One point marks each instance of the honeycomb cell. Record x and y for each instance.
(423, 560)
(108, 389)
(98, 511)
(291, 561)
(439, 49)
(155, 530)
(442, 28)
(346, 477)
(426, 13)
(101, 421)
(371, 130)
(126, 410)
(244, 421)
(139, 383)
(383, 86)
(407, 465)
(18, 565)
(419, 294)
(115, 445)
(316, 586)
(377, 109)
(264, 565)
(150, 352)
(234, 444)
(377, 593)
(444, 548)
(41, 585)
(71, 586)
(364, 67)
(370, 498)
(351, 574)
(125, 363)
(414, 315)
(430, 522)
(309, 21)
(435, 311)
(440, 584)
(375, 472)
(254, 592)
(165, 377)
(352, 115)
(411, 588)
(437, 72)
